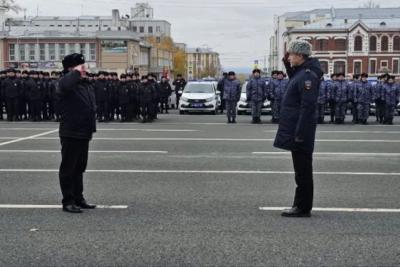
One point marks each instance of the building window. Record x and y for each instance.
(372, 43)
(42, 52)
(324, 66)
(52, 52)
(22, 52)
(82, 49)
(372, 66)
(141, 29)
(322, 45)
(158, 29)
(134, 29)
(61, 51)
(71, 48)
(11, 50)
(358, 43)
(384, 43)
(93, 52)
(339, 67)
(340, 44)
(357, 67)
(396, 43)
(384, 64)
(32, 52)
(396, 67)
(150, 29)
(158, 40)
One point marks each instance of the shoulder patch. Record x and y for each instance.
(307, 84)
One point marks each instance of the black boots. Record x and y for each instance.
(295, 212)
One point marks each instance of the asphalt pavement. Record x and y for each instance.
(191, 190)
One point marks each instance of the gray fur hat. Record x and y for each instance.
(300, 47)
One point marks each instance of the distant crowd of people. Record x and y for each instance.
(336, 96)
(32, 95)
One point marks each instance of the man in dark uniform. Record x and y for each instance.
(220, 88)
(298, 122)
(11, 87)
(101, 91)
(165, 93)
(179, 84)
(123, 97)
(77, 125)
(146, 96)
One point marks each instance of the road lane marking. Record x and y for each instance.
(106, 129)
(28, 137)
(92, 151)
(226, 139)
(362, 210)
(335, 154)
(209, 172)
(351, 131)
(31, 206)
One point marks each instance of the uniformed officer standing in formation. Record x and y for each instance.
(165, 93)
(256, 92)
(341, 89)
(179, 84)
(297, 124)
(351, 99)
(220, 88)
(363, 96)
(231, 96)
(322, 101)
(277, 91)
(77, 108)
(391, 93)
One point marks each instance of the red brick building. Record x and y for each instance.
(353, 46)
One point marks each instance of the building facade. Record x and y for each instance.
(112, 51)
(202, 62)
(346, 40)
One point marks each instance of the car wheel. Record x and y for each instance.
(214, 112)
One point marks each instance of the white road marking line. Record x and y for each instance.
(365, 210)
(30, 206)
(92, 151)
(210, 172)
(334, 154)
(107, 129)
(28, 137)
(225, 139)
(334, 131)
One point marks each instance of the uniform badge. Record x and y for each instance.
(307, 85)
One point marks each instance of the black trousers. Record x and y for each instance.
(303, 168)
(74, 157)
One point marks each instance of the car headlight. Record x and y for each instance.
(184, 99)
(210, 99)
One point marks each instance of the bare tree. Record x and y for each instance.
(371, 4)
(10, 5)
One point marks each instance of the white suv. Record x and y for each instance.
(200, 97)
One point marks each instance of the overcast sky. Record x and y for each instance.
(238, 29)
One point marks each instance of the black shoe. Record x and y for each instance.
(86, 206)
(72, 209)
(296, 212)
(233, 120)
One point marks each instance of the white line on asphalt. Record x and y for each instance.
(30, 206)
(28, 137)
(209, 172)
(226, 139)
(362, 132)
(107, 129)
(92, 151)
(334, 154)
(365, 210)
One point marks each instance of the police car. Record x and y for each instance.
(244, 107)
(200, 96)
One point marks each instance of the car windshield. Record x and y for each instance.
(198, 88)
